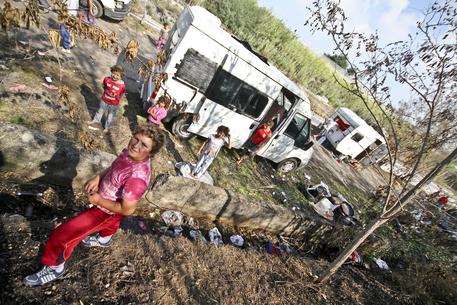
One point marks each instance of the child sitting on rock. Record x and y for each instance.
(209, 150)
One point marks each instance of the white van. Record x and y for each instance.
(351, 136)
(113, 9)
(219, 80)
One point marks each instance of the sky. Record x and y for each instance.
(392, 19)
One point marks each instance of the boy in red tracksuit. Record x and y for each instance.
(114, 88)
(114, 194)
(257, 140)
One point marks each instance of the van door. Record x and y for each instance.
(232, 103)
(293, 135)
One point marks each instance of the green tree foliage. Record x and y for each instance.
(340, 60)
(269, 36)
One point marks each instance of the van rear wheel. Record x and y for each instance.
(287, 165)
(180, 126)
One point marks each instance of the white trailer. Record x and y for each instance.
(219, 80)
(351, 136)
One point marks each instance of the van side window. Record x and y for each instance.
(357, 137)
(299, 129)
(229, 91)
(196, 69)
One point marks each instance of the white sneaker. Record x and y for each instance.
(45, 275)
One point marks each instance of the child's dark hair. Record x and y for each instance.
(223, 129)
(270, 123)
(117, 69)
(164, 99)
(154, 133)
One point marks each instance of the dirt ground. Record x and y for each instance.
(144, 266)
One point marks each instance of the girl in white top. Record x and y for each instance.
(209, 150)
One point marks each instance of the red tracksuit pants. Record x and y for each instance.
(65, 237)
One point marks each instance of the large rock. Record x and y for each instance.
(48, 159)
(200, 199)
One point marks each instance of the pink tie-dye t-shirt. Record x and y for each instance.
(125, 180)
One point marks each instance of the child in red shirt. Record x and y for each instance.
(257, 140)
(114, 88)
(114, 194)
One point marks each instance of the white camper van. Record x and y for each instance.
(351, 136)
(219, 80)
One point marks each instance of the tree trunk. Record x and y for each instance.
(361, 236)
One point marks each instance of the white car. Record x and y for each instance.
(113, 9)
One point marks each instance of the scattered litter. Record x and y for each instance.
(286, 248)
(295, 208)
(3, 67)
(48, 79)
(16, 88)
(171, 232)
(308, 177)
(22, 42)
(93, 128)
(237, 240)
(128, 269)
(50, 87)
(172, 218)
(197, 236)
(41, 53)
(272, 176)
(142, 225)
(215, 236)
(284, 194)
(381, 264)
(355, 258)
(273, 249)
(324, 208)
(169, 162)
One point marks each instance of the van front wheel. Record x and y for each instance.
(180, 126)
(287, 165)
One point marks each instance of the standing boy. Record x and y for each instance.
(114, 194)
(114, 89)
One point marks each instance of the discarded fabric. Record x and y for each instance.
(172, 218)
(215, 236)
(197, 236)
(16, 88)
(237, 240)
(381, 264)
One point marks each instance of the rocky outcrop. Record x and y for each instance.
(48, 159)
(200, 199)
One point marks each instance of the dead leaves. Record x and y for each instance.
(131, 51)
(87, 140)
(54, 37)
(10, 17)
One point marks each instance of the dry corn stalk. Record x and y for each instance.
(64, 94)
(131, 51)
(54, 38)
(86, 140)
(10, 17)
(31, 14)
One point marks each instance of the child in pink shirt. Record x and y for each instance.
(158, 111)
